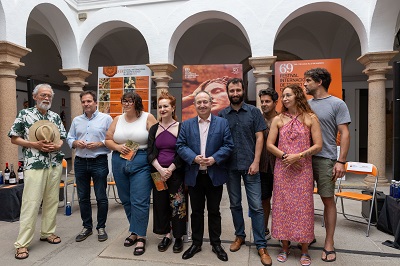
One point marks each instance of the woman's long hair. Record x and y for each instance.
(300, 99)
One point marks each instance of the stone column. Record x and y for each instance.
(10, 55)
(262, 72)
(162, 76)
(376, 66)
(76, 81)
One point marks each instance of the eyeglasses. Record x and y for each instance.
(127, 102)
(44, 96)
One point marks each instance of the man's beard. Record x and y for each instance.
(236, 100)
(44, 106)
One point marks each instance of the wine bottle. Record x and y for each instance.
(13, 177)
(6, 175)
(20, 173)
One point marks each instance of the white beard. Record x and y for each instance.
(44, 106)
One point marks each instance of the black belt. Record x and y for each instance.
(92, 159)
(203, 172)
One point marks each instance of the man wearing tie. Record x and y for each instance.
(205, 144)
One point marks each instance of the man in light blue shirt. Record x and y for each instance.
(87, 135)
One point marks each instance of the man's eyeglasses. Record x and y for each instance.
(126, 102)
(44, 96)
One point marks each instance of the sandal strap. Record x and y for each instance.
(53, 237)
(21, 250)
(283, 253)
(329, 252)
(143, 240)
(129, 240)
(283, 256)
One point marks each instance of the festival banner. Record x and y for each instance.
(211, 78)
(292, 72)
(114, 81)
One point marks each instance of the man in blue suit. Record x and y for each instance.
(205, 144)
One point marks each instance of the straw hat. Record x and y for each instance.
(44, 130)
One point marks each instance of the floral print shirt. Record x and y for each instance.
(33, 158)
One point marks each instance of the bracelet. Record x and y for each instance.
(301, 155)
(283, 155)
(340, 162)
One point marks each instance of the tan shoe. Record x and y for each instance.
(265, 257)
(235, 246)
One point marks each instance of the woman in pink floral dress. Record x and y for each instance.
(293, 205)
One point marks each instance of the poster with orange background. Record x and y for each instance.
(114, 81)
(292, 72)
(211, 78)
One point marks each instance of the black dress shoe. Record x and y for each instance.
(221, 254)
(83, 234)
(164, 244)
(178, 245)
(191, 251)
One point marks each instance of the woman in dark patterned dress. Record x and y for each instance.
(169, 206)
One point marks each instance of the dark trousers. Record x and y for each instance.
(204, 191)
(169, 207)
(85, 170)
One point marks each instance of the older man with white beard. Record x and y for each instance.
(39, 131)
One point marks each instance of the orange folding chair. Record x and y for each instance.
(360, 169)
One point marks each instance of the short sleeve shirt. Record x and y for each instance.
(331, 112)
(244, 124)
(33, 158)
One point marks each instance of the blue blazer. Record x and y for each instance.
(219, 145)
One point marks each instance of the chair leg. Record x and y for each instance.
(73, 196)
(343, 213)
(115, 196)
(373, 203)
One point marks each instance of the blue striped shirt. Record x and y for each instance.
(90, 130)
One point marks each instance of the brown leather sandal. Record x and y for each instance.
(52, 239)
(21, 253)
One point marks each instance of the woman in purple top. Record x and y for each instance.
(169, 206)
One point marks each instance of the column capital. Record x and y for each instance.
(162, 69)
(162, 75)
(262, 64)
(75, 77)
(377, 62)
(10, 57)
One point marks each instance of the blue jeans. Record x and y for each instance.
(252, 185)
(134, 185)
(85, 170)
